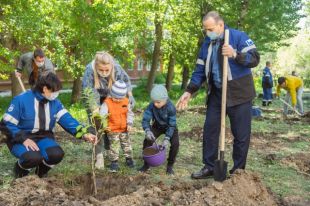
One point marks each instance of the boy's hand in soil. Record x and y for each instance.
(90, 138)
(149, 135)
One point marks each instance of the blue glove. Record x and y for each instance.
(166, 142)
(132, 101)
(149, 135)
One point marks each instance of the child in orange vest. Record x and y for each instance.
(120, 121)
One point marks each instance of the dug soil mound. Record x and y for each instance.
(299, 161)
(243, 188)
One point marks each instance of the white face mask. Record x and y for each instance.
(53, 96)
(212, 35)
(39, 64)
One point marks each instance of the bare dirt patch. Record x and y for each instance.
(243, 188)
(299, 161)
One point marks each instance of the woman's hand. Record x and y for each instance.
(31, 145)
(90, 138)
(183, 101)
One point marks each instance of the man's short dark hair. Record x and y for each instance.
(48, 79)
(38, 52)
(281, 80)
(267, 63)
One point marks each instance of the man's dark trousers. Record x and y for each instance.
(240, 121)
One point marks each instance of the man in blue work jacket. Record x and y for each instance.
(242, 55)
(29, 123)
(267, 84)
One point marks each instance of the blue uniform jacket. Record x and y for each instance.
(164, 117)
(22, 119)
(240, 86)
(267, 80)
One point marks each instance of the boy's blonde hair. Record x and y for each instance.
(103, 57)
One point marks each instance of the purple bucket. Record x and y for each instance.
(154, 155)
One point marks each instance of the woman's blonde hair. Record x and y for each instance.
(103, 57)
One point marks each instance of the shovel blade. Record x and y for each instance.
(220, 170)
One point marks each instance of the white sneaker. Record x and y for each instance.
(99, 161)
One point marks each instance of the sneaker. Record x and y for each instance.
(144, 168)
(169, 170)
(114, 166)
(99, 161)
(130, 163)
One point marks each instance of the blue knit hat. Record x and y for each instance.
(119, 89)
(159, 93)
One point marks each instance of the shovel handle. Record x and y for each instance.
(21, 84)
(224, 92)
(287, 104)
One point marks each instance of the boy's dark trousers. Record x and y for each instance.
(174, 142)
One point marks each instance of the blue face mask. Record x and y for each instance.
(212, 35)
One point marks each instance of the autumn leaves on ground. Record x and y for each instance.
(278, 170)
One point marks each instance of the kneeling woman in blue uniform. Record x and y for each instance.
(29, 123)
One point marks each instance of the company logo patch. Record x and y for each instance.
(11, 108)
(249, 42)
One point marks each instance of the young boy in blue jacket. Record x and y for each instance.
(160, 118)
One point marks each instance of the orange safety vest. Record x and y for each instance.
(117, 120)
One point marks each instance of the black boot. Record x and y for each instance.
(264, 103)
(169, 170)
(42, 170)
(19, 172)
(130, 163)
(144, 168)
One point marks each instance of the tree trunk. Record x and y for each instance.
(170, 73)
(156, 51)
(76, 90)
(243, 13)
(185, 76)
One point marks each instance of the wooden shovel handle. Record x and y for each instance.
(224, 92)
(21, 84)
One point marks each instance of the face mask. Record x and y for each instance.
(39, 64)
(53, 96)
(212, 35)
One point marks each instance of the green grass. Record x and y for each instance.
(282, 180)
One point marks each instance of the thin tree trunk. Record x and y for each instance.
(156, 51)
(243, 13)
(170, 73)
(76, 90)
(185, 76)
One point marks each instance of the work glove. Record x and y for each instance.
(132, 101)
(166, 142)
(149, 135)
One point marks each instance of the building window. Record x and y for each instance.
(148, 66)
(140, 64)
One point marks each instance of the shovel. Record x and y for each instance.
(21, 84)
(220, 166)
(292, 108)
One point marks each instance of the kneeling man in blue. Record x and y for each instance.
(29, 123)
